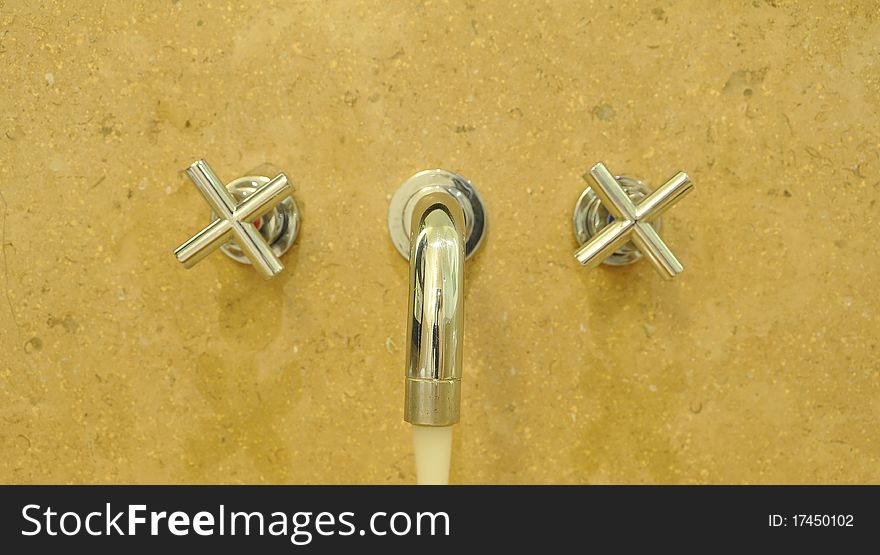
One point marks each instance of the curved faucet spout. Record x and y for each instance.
(436, 306)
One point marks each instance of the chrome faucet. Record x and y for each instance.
(617, 220)
(254, 220)
(436, 220)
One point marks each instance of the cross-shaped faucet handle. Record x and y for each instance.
(627, 219)
(238, 219)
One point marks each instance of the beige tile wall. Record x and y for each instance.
(758, 364)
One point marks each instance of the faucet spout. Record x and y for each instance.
(435, 329)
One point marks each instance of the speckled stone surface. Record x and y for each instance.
(759, 364)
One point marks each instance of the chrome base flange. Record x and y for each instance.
(404, 201)
(590, 217)
(278, 227)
